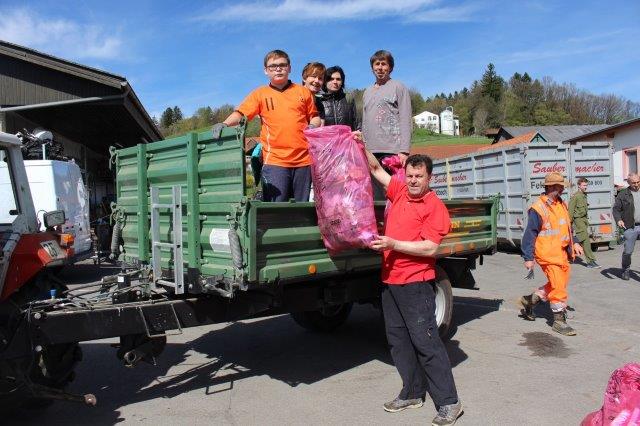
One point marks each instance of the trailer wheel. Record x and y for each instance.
(323, 320)
(444, 303)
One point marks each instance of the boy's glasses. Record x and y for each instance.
(274, 67)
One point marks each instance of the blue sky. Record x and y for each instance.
(197, 53)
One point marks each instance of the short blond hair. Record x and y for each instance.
(276, 54)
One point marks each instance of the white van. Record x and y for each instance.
(58, 185)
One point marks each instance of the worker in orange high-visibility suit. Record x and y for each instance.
(548, 239)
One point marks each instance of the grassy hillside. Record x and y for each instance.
(423, 137)
(420, 137)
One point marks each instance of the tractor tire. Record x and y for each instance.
(51, 365)
(54, 368)
(323, 320)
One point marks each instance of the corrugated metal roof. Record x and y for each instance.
(555, 133)
(84, 104)
(68, 67)
(525, 138)
(605, 129)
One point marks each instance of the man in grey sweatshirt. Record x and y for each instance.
(386, 117)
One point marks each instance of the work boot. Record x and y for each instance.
(528, 302)
(625, 275)
(402, 404)
(560, 324)
(447, 414)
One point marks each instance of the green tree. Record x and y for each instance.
(253, 127)
(357, 95)
(417, 101)
(177, 114)
(548, 116)
(491, 84)
(221, 113)
(167, 118)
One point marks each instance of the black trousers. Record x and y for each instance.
(416, 347)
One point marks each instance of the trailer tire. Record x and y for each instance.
(444, 303)
(323, 320)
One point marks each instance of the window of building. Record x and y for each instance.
(632, 161)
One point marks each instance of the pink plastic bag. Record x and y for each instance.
(394, 164)
(342, 188)
(621, 400)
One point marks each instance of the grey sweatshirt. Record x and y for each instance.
(386, 118)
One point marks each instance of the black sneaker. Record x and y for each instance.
(593, 265)
(625, 275)
(447, 414)
(402, 404)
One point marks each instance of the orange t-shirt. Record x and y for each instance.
(285, 114)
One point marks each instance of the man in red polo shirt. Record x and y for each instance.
(415, 224)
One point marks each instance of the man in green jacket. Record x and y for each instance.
(579, 214)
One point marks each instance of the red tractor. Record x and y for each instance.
(26, 258)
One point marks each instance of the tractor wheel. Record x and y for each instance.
(51, 365)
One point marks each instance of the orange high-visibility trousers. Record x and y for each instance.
(555, 290)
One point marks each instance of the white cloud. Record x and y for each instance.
(61, 37)
(356, 10)
(462, 13)
(574, 46)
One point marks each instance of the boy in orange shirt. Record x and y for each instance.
(286, 109)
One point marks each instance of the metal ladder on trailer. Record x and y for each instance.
(176, 246)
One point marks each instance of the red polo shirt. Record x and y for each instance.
(412, 219)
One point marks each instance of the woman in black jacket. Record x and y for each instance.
(338, 107)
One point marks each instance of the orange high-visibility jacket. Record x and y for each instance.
(555, 233)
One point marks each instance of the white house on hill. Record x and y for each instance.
(428, 120)
(449, 123)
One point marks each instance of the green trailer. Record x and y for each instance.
(196, 250)
(184, 213)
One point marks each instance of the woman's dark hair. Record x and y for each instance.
(329, 72)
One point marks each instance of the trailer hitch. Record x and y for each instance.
(138, 347)
(45, 392)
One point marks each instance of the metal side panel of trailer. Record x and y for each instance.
(182, 204)
(516, 173)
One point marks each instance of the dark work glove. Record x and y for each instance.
(216, 130)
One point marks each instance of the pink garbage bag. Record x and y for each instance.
(394, 164)
(621, 400)
(342, 188)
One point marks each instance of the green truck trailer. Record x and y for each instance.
(228, 243)
(196, 249)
